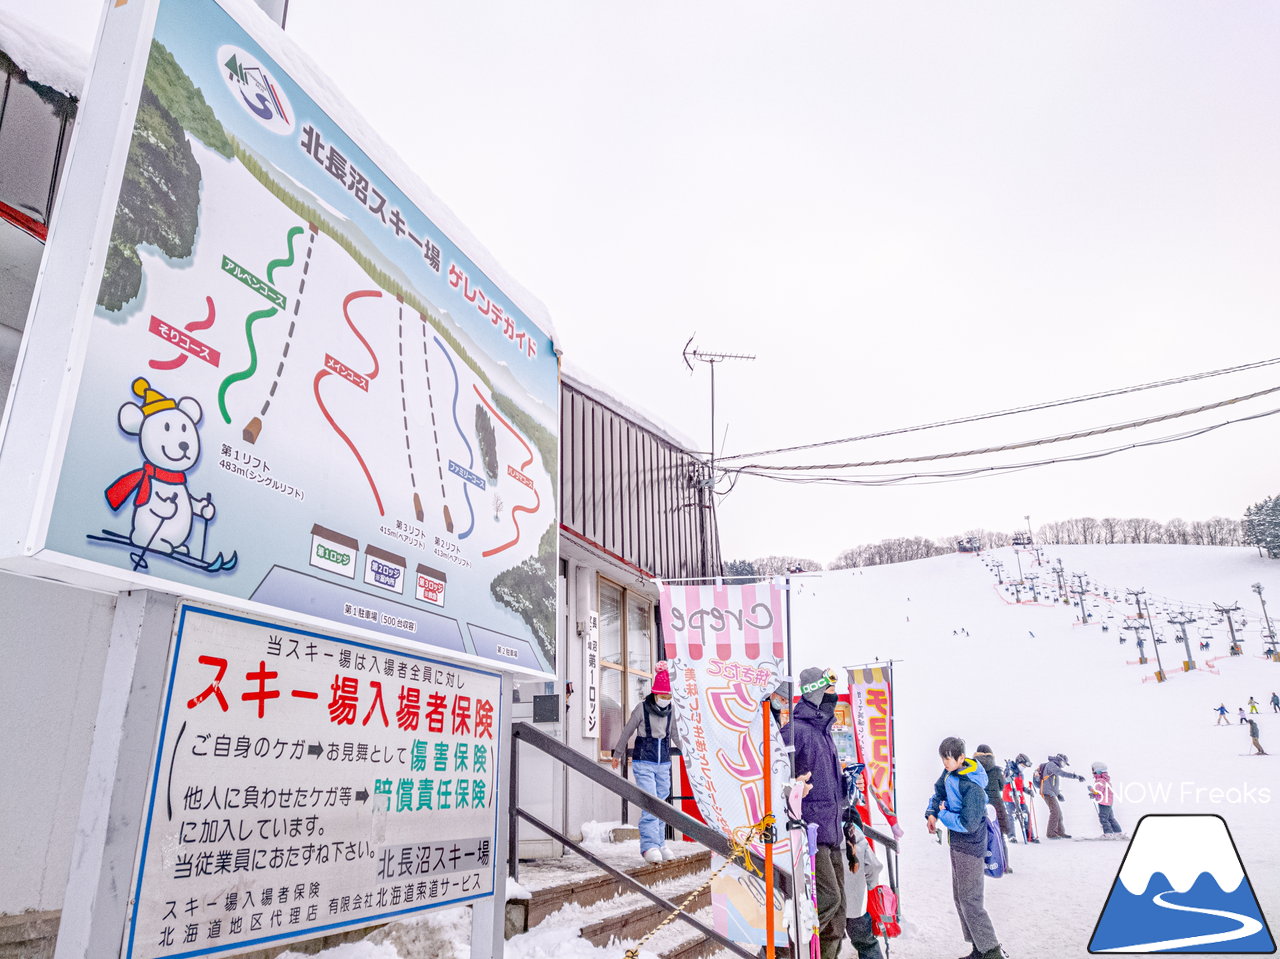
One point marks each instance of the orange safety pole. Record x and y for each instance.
(768, 844)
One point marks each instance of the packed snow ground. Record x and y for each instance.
(1026, 678)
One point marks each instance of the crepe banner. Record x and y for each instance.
(871, 698)
(727, 650)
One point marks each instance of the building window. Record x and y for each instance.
(34, 123)
(626, 658)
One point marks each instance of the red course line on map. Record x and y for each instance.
(181, 358)
(372, 375)
(525, 465)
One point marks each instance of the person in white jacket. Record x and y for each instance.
(862, 876)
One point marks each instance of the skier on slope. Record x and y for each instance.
(1015, 792)
(1275, 703)
(1222, 714)
(1242, 719)
(1049, 773)
(1102, 793)
(1253, 705)
(1253, 736)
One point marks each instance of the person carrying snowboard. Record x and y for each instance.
(959, 802)
(815, 753)
(1102, 793)
(1049, 774)
(1222, 715)
(1253, 736)
(651, 759)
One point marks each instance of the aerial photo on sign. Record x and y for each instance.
(305, 784)
(297, 389)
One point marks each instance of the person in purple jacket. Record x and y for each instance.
(959, 802)
(815, 754)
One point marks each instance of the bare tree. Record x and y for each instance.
(1112, 529)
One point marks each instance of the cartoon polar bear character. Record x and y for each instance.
(167, 433)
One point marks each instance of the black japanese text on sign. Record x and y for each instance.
(296, 779)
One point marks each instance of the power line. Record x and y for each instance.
(1024, 444)
(943, 476)
(1120, 391)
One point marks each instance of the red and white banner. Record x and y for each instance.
(726, 647)
(871, 699)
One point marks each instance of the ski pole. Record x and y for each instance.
(204, 539)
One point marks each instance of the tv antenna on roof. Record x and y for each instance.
(708, 486)
(711, 359)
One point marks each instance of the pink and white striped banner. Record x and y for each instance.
(727, 650)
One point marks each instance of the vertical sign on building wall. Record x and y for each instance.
(305, 784)
(591, 677)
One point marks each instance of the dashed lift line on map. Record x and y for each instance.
(361, 381)
(435, 433)
(257, 315)
(253, 428)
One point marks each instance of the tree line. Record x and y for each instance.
(1260, 527)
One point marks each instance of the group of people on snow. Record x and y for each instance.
(1247, 720)
(851, 901)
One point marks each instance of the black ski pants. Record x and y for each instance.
(829, 877)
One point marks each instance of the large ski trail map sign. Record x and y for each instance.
(297, 390)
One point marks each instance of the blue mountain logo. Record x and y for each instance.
(1182, 888)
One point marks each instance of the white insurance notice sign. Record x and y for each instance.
(305, 784)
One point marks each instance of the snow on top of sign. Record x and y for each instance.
(329, 98)
(580, 380)
(46, 59)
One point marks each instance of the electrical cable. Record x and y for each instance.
(977, 417)
(763, 468)
(942, 476)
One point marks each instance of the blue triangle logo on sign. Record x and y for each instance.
(1182, 888)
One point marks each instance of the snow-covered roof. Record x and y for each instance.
(582, 381)
(47, 59)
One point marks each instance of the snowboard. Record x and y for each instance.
(804, 886)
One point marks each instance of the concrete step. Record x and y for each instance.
(594, 887)
(643, 918)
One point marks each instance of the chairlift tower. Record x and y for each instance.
(1271, 633)
(1231, 623)
(1181, 620)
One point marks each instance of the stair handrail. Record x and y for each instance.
(633, 794)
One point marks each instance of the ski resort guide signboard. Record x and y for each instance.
(285, 384)
(305, 784)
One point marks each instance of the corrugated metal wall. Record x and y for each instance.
(632, 492)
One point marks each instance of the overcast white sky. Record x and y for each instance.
(908, 211)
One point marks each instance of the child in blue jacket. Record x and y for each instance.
(959, 802)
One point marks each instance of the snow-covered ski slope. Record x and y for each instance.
(1069, 689)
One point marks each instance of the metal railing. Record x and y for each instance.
(695, 830)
